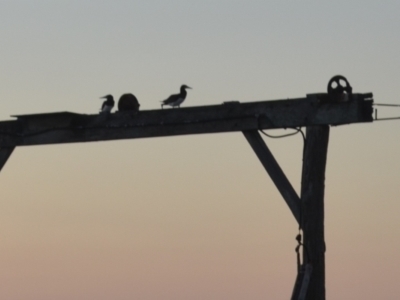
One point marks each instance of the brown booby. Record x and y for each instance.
(108, 104)
(176, 99)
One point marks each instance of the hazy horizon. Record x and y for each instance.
(193, 217)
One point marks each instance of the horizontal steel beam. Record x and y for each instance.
(65, 127)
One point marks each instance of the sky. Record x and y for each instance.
(194, 217)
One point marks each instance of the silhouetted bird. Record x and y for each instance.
(177, 99)
(128, 102)
(108, 104)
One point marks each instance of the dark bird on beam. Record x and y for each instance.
(128, 102)
(108, 104)
(176, 99)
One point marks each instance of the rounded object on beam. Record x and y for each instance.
(128, 102)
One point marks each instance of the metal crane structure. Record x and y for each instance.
(316, 112)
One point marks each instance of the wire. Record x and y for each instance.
(384, 104)
(282, 136)
(299, 235)
(298, 129)
(387, 119)
(302, 133)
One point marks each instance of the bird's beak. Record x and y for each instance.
(188, 87)
(104, 97)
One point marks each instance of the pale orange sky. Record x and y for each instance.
(193, 217)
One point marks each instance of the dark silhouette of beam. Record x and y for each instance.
(65, 127)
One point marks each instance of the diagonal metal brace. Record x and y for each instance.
(4, 155)
(274, 170)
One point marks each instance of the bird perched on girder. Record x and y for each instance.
(128, 102)
(176, 99)
(108, 104)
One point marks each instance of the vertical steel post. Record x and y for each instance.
(312, 207)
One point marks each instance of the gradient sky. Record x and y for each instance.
(193, 217)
